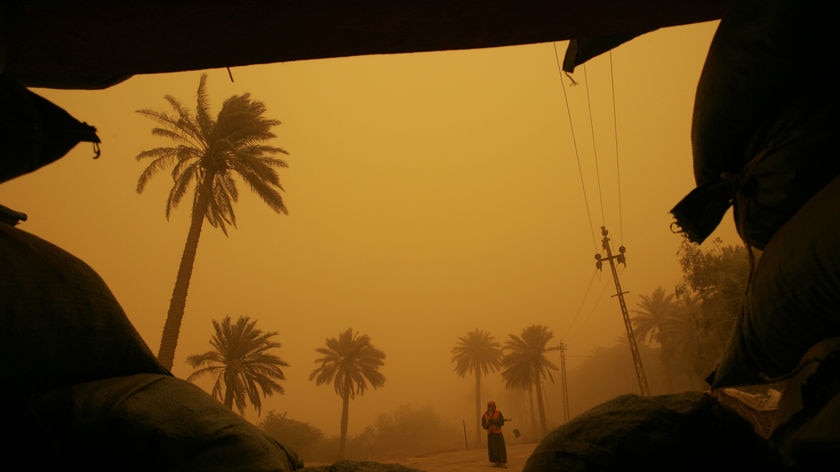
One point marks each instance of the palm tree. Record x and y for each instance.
(205, 156)
(241, 363)
(525, 363)
(477, 352)
(349, 362)
(655, 315)
(665, 321)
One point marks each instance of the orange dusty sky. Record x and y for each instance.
(429, 194)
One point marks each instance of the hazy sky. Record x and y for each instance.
(429, 194)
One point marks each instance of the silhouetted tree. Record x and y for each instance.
(712, 291)
(300, 437)
(654, 315)
(478, 353)
(405, 432)
(241, 363)
(350, 362)
(525, 363)
(205, 157)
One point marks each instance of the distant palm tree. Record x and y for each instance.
(349, 362)
(655, 317)
(525, 363)
(205, 156)
(477, 352)
(241, 363)
(670, 323)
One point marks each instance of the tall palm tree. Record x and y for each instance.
(525, 363)
(477, 352)
(350, 362)
(241, 363)
(206, 156)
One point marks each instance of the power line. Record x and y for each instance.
(594, 307)
(617, 169)
(574, 144)
(582, 301)
(594, 146)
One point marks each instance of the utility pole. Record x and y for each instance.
(634, 348)
(563, 382)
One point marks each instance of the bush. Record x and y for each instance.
(301, 437)
(404, 433)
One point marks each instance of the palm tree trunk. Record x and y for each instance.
(345, 407)
(477, 408)
(178, 302)
(533, 410)
(229, 381)
(541, 406)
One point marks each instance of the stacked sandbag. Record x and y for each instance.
(82, 390)
(793, 298)
(689, 431)
(61, 324)
(764, 119)
(806, 430)
(148, 422)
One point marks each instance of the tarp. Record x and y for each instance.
(97, 43)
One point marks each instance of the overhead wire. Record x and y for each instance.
(597, 168)
(574, 144)
(580, 306)
(577, 323)
(594, 146)
(617, 160)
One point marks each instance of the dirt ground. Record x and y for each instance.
(456, 460)
(470, 460)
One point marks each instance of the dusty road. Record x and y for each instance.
(470, 460)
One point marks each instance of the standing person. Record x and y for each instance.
(492, 420)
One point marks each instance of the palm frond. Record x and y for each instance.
(202, 109)
(160, 117)
(237, 138)
(163, 158)
(183, 182)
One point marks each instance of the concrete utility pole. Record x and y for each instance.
(634, 348)
(563, 382)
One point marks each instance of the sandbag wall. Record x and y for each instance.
(83, 390)
(765, 116)
(762, 140)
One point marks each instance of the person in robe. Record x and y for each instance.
(492, 420)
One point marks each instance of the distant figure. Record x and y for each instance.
(492, 421)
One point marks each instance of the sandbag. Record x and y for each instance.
(765, 56)
(807, 427)
(793, 298)
(154, 422)
(689, 431)
(34, 131)
(59, 322)
(763, 120)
